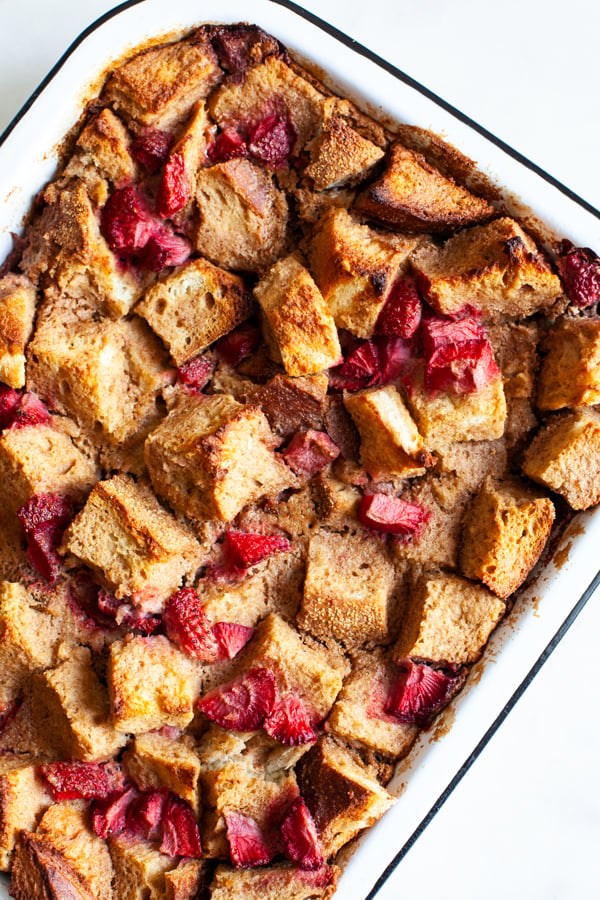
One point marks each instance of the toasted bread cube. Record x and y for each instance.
(413, 195)
(161, 85)
(194, 306)
(390, 443)
(283, 881)
(63, 858)
(268, 86)
(495, 268)
(298, 318)
(340, 155)
(107, 375)
(212, 456)
(242, 216)
(73, 706)
(245, 602)
(23, 799)
(102, 156)
(358, 716)
(570, 371)
(187, 880)
(156, 760)
(292, 404)
(17, 311)
(449, 619)
(515, 350)
(565, 457)
(151, 684)
(139, 549)
(348, 589)
(139, 868)
(342, 796)
(355, 268)
(506, 527)
(191, 150)
(315, 673)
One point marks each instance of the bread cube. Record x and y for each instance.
(242, 216)
(291, 404)
(187, 880)
(139, 868)
(348, 589)
(63, 858)
(298, 319)
(340, 155)
(449, 619)
(212, 456)
(495, 268)
(565, 457)
(413, 195)
(191, 150)
(245, 602)
(342, 796)
(194, 306)
(161, 85)
(107, 375)
(390, 443)
(355, 268)
(151, 684)
(336, 502)
(136, 546)
(283, 881)
(17, 311)
(23, 799)
(156, 760)
(570, 371)
(102, 156)
(515, 350)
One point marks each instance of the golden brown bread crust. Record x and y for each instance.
(276, 882)
(570, 369)
(340, 155)
(17, 310)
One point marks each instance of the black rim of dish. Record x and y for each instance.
(510, 151)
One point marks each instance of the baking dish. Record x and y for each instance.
(437, 764)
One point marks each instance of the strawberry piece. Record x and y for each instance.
(180, 835)
(401, 315)
(458, 356)
(239, 46)
(300, 837)
(391, 514)
(272, 141)
(239, 343)
(44, 518)
(231, 638)
(145, 814)
(579, 269)
(196, 373)
(370, 363)
(174, 189)
(109, 816)
(244, 549)
(420, 692)
(30, 411)
(393, 355)
(151, 148)
(229, 144)
(8, 712)
(82, 780)
(249, 846)
(126, 221)
(188, 626)
(9, 403)
(244, 704)
(163, 249)
(309, 452)
(289, 722)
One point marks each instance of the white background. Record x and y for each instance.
(524, 823)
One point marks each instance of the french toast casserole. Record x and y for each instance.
(290, 410)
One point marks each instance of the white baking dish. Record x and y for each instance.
(523, 642)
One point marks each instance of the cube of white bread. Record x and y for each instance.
(570, 370)
(448, 619)
(412, 195)
(505, 529)
(342, 795)
(212, 455)
(348, 589)
(245, 602)
(62, 858)
(161, 85)
(107, 375)
(139, 868)
(151, 684)
(339, 155)
(102, 156)
(565, 457)
(17, 311)
(298, 318)
(139, 549)
(355, 268)
(390, 443)
(23, 799)
(155, 760)
(282, 881)
(193, 306)
(242, 216)
(187, 880)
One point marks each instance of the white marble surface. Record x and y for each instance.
(525, 821)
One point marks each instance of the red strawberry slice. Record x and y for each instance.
(374, 362)
(44, 519)
(180, 835)
(126, 221)
(309, 452)
(419, 692)
(458, 356)
(401, 315)
(109, 816)
(244, 704)
(272, 141)
(239, 343)
(243, 549)
(231, 638)
(163, 249)
(9, 403)
(394, 354)
(174, 189)
(289, 722)
(579, 269)
(249, 846)
(151, 148)
(30, 411)
(438, 333)
(145, 814)
(300, 837)
(229, 144)
(391, 514)
(196, 373)
(82, 780)
(187, 626)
